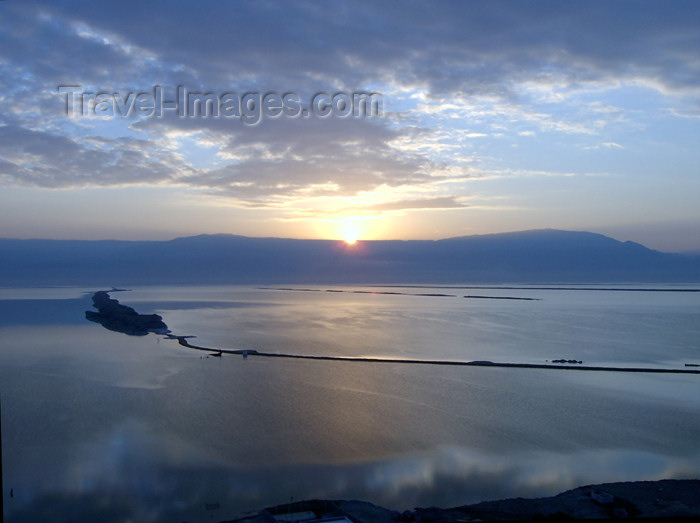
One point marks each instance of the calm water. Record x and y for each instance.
(98, 425)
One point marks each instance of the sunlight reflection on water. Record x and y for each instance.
(160, 430)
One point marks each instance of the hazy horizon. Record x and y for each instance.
(342, 241)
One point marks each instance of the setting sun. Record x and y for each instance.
(350, 232)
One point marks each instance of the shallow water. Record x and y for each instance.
(98, 424)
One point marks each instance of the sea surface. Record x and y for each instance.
(102, 426)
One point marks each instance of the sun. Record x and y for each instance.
(350, 232)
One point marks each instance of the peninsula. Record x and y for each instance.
(120, 318)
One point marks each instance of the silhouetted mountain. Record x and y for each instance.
(528, 256)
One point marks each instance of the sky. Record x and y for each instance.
(350, 120)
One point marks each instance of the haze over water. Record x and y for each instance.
(158, 431)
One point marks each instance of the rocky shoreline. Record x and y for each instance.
(663, 499)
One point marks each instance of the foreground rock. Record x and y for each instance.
(666, 498)
(648, 499)
(120, 318)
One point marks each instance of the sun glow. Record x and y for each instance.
(350, 232)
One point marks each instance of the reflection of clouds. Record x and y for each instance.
(150, 379)
(454, 476)
(133, 456)
(136, 472)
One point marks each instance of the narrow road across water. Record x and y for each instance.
(182, 340)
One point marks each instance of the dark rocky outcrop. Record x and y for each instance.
(672, 500)
(120, 318)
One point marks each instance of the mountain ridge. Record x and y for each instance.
(540, 255)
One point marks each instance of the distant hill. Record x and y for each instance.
(528, 256)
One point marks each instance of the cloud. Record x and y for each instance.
(287, 159)
(448, 48)
(604, 145)
(270, 163)
(612, 145)
(433, 203)
(49, 160)
(425, 203)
